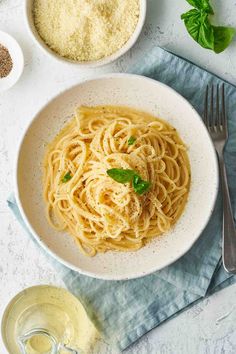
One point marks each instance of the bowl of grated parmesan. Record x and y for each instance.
(88, 33)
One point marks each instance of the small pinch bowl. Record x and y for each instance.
(17, 57)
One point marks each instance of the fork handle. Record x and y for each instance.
(229, 230)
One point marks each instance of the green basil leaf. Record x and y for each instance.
(222, 37)
(202, 5)
(67, 177)
(216, 38)
(199, 28)
(131, 140)
(121, 175)
(140, 186)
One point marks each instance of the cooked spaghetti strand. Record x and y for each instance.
(100, 213)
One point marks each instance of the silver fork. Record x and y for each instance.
(215, 119)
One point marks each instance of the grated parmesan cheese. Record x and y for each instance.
(85, 30)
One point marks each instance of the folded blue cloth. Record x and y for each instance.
(123, 311)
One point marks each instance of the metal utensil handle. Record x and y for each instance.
(229, 230)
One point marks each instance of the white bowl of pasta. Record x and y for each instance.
(134, 191)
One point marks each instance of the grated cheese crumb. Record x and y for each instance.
(85, 30)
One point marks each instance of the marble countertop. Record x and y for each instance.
(210, 326)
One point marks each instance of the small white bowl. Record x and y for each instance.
(17, 57)
(85, 64)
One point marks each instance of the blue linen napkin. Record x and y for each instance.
(123, 311)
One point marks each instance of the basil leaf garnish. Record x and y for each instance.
(67, 177)
(140, 186)
(121, 175)
(124, 176)
(131, 140)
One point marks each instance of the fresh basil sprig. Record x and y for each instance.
(216, 38)
(125, 175)
(202, 5)
(67, 177)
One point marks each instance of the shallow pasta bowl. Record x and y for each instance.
(144, 94)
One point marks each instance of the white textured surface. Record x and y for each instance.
(210, 326)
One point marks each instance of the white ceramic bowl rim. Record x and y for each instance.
(134, 274)
(89, 64)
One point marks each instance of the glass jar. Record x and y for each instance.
(47, 320)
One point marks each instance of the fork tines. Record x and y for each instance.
(215, 111)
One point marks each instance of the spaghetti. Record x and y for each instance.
(100, 213)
